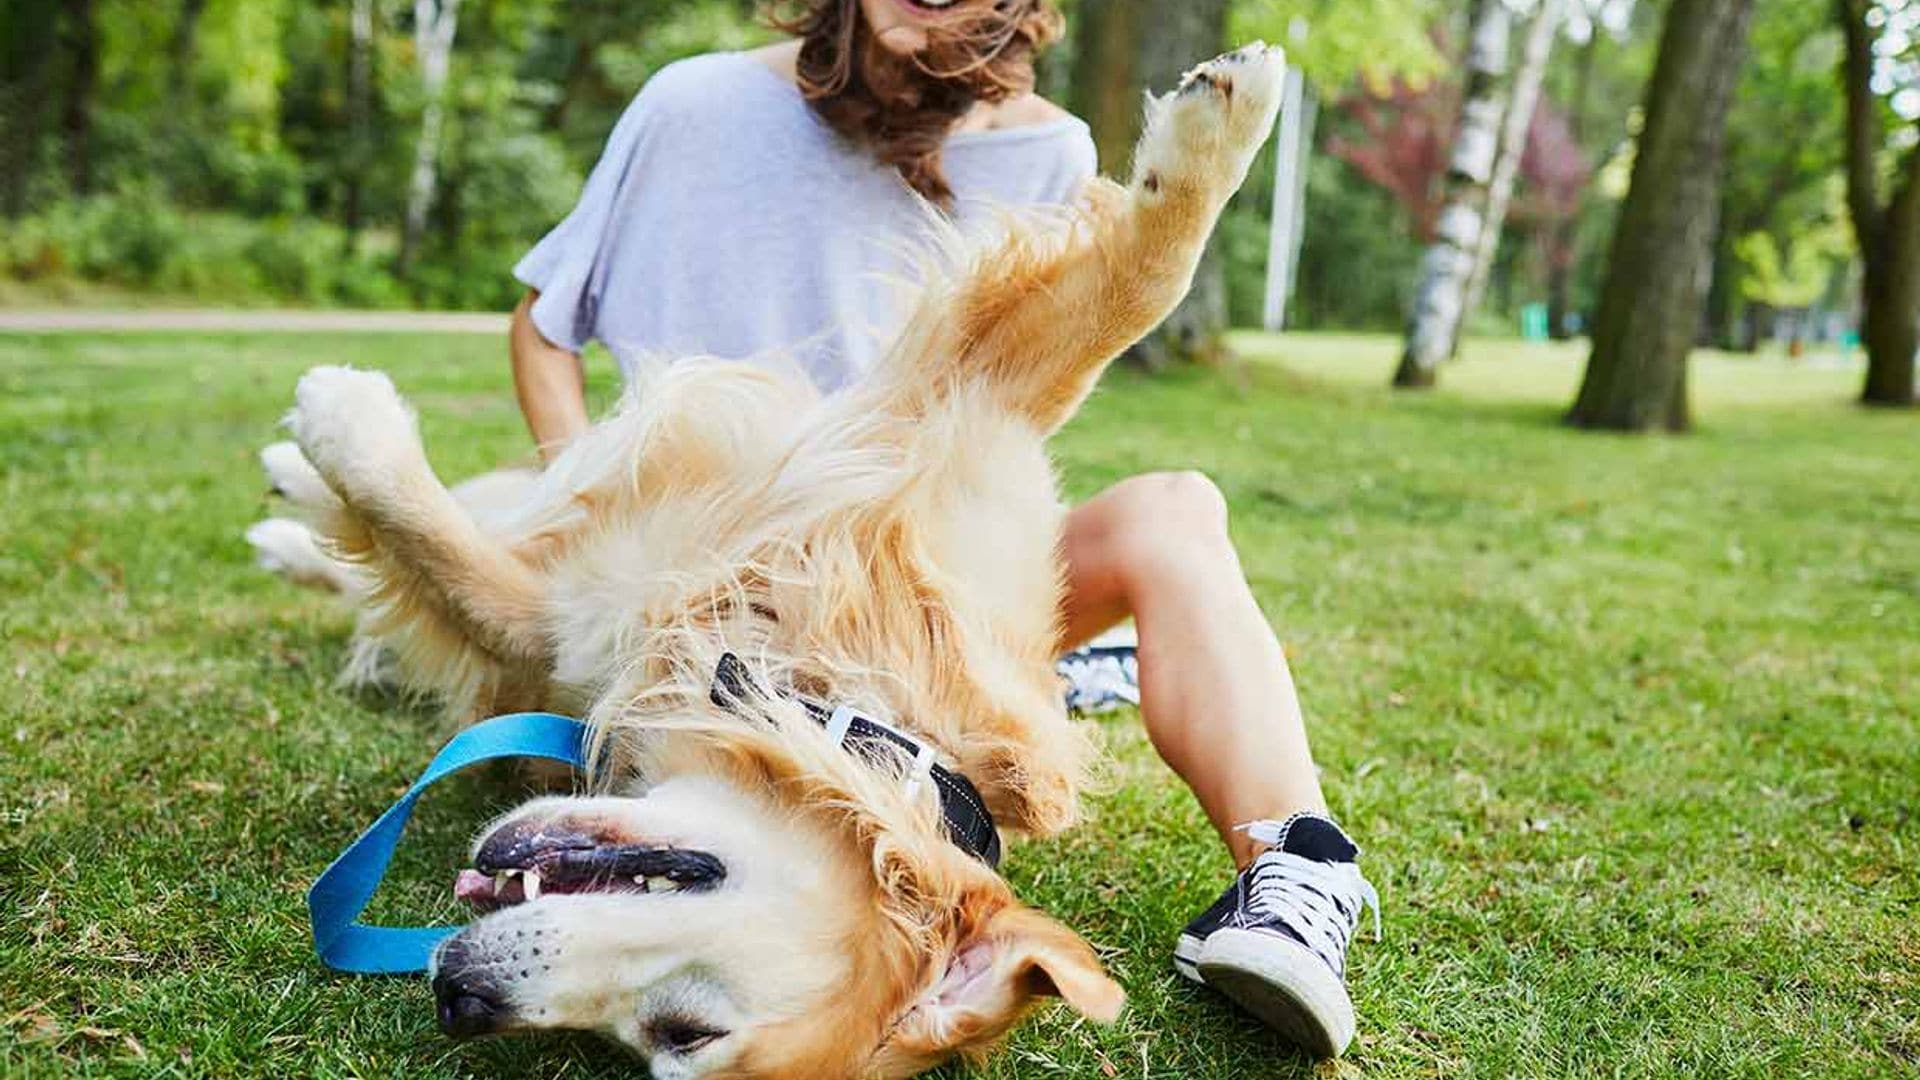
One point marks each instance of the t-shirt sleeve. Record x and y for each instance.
(1075, 163)
(565, 265)
(1082, 163)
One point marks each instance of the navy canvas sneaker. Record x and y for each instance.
(1276, 941)
(1103, 674)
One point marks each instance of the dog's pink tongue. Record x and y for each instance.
(473, 886)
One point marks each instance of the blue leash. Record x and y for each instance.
(343, 891)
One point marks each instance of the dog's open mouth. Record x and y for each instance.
(518, 866)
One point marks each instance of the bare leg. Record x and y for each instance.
(1216, 694)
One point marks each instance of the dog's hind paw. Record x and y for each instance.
(290, 549)
(352, 423)
(295, 479)
(1201, 138)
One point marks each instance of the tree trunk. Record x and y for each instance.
(1657, 271)
(1753, 333)
(433, 29)
(573, 84)
(1889, 235)
(1719, 324)
(83, 47)
(186, 39)
(29, 48)
(1292, 148)
(1891, 323)
(1513, 149)
(1440, 300)
(1122, 50)
(359, 120)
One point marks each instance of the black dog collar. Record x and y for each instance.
(969, 825)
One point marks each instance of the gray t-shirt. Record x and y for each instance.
(726, 219)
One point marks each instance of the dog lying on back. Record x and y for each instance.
(720, 578)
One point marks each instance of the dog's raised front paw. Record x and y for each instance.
(1202, 137)
(350, 422)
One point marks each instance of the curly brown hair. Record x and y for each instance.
(902, 108)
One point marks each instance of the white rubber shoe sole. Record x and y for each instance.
(1277, 980)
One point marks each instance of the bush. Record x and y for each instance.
(126, 240)
(1242, 241)
(1358, 264)
(137, 240)
(501, 191)
(297, 260)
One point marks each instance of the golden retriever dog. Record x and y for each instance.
(742, 895)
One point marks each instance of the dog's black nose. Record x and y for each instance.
(467, 1001)
(465, 1015)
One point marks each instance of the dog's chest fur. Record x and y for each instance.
(905, 568)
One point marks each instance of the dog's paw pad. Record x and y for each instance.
(1205, 133)
(1247, 79)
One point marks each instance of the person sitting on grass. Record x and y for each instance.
(749, 204)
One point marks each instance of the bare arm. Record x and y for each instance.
(549, 383)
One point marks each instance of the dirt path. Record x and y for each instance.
(217, 321)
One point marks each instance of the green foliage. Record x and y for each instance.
(1357, 262)
(227, 129)
(1242, 240)
(1800, 272)
(1771, 279)
(225, 160)
(1784, 139)
(684, 31)
(139, 240)
(1338, 41)
(1778, 244)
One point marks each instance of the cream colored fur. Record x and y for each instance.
(891, 547)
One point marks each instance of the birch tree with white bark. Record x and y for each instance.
(1525, 99)
(434, 22)
(1440, 300)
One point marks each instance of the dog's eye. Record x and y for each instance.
(679, 1036)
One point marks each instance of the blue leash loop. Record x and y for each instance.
(345, 888)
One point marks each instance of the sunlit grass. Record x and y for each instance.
(1627, 726)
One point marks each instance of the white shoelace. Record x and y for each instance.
(1320, 901)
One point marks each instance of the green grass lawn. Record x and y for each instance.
(1629, 727)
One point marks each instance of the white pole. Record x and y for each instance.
(1283, 240)
(1302, 162)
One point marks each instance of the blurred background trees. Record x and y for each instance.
(249, 151)
(266, 151)
(1880, 51)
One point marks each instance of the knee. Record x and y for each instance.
(1186, 501)
(1164, 522)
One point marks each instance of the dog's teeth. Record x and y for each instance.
(530, 881)
(640, 880)
(662, 884)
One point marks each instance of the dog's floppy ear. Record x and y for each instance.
(1014, 956)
